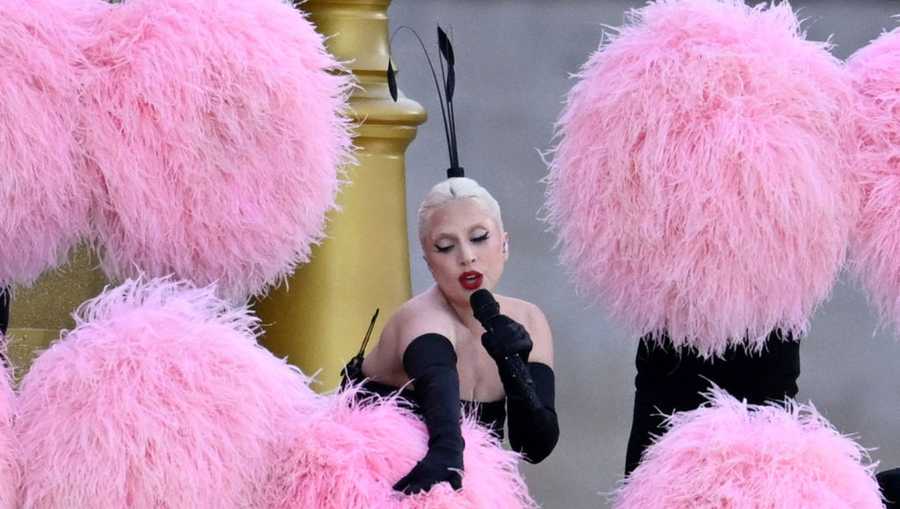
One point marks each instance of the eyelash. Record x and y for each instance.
(445, 249)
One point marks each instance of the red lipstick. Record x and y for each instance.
(470, 280)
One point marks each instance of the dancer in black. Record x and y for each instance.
(672, 380)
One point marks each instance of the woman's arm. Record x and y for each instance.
(526, 371)
(429, 360)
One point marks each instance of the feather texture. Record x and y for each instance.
(349, 454)
(215, 129)
(10, 471)
(700, 185)
(730, 455)
(159, 398)
(875, 70)
(44, 201)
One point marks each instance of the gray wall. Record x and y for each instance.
(514, 60)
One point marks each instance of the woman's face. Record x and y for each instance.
(464, 248)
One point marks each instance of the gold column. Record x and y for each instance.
(38, 313)
(319, 319)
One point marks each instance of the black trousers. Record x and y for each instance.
(889, 481)
(673, 380)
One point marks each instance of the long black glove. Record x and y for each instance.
(529, 386)
(430, 362)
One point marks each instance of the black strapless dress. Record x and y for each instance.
(490, 414)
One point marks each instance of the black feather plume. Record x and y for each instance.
(445, 96)
(392, 81)
(447, 52)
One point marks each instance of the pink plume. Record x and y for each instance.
(216, 128)
(159, 398)
(875, 70)
(348, 455)
(10, 473)
(730, 455)
(44, 202)
(700, 184)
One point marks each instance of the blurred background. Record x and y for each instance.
(514, 64)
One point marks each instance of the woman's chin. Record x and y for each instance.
(458, 295)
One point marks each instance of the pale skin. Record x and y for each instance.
(460, 236)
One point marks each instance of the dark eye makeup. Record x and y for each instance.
(480, 238)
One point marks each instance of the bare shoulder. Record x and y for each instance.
(420, 315)
(530, 315)
(535, 322)
(417, 316)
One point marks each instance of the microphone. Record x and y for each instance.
(484, 307)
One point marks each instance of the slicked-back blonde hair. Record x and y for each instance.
(456, 188)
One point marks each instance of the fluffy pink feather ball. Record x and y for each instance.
(9, 454)
(730, 455)
(159, 398)
(875, 70)
(217, 129)
(700, 182)
(44, 204)
(348, 455)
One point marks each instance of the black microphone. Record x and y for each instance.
(484, 307)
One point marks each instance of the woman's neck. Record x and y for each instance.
(462, 311)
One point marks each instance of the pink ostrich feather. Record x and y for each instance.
(348, 455)
(700, 184)
(875, 70)
(159, 398)
(730, 455)
(44, 202)
(216, 127)
(10, 474)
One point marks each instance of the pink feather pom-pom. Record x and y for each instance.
(159, 398)
(44, 202)
(9, 454)
(875, 70)
(701, 184)
(349, 454)
(728, 454)
(217, 130)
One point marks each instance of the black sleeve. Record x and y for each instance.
(532, 422)
(430, 361)
(4, 310)
(889, 482)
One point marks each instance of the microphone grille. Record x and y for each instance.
(483, 305)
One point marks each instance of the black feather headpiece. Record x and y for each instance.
(445, 93)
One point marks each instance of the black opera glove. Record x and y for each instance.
(533, 429)
(430, 361)
(529, 386)
(506, 337)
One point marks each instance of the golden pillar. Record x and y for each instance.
(318, 320)
(37, 314)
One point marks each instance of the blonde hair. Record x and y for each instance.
(456, 188)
